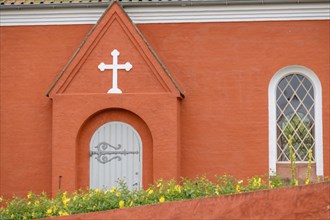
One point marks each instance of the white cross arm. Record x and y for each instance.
(127, 66)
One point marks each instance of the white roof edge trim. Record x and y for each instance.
(169, 14)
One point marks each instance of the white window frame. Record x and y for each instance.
(318, 115)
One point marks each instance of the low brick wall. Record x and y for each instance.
(303, 202)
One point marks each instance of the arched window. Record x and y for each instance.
(295, 108)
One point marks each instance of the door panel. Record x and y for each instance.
(115, 154)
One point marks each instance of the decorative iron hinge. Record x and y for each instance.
(104, 153)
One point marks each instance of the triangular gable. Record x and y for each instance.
(114, 32)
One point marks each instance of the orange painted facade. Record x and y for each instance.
(219, 126)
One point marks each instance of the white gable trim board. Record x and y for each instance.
(168, 14)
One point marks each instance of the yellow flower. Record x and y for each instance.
(177, 188)
(290, 140)
(238, 188)
(118, 194)
(256, 182)
(1, 199)
(159, 184)
(65, 201)
(24, 217)
(240, 182)
(80, 206)
(29, 203)
(63, 213)
(131, 204)
(150, 192)
(32, 214)
(162, 199)
(307, 181)
(113, 189)
(121, 204)
(49, 212)
(29, 195)
(12, 216)
(97, 190)
(36, 203)
(296, 182)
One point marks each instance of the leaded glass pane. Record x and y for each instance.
(281, 85)
(282, 102)
(301, 92)
(306, 83)
(295, 117)
(295, 83)
(311, 113)
(309, 101)
(288, 93)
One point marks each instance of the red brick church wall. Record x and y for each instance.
(31, 58)
(223, 68)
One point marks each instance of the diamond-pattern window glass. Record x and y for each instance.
(295, 117)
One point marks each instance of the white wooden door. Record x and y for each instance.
(115, 154)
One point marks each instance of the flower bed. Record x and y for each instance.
(83, 201)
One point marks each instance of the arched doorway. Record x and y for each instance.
(126, 121)
(115, 155)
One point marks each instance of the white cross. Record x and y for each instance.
(115, 67)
